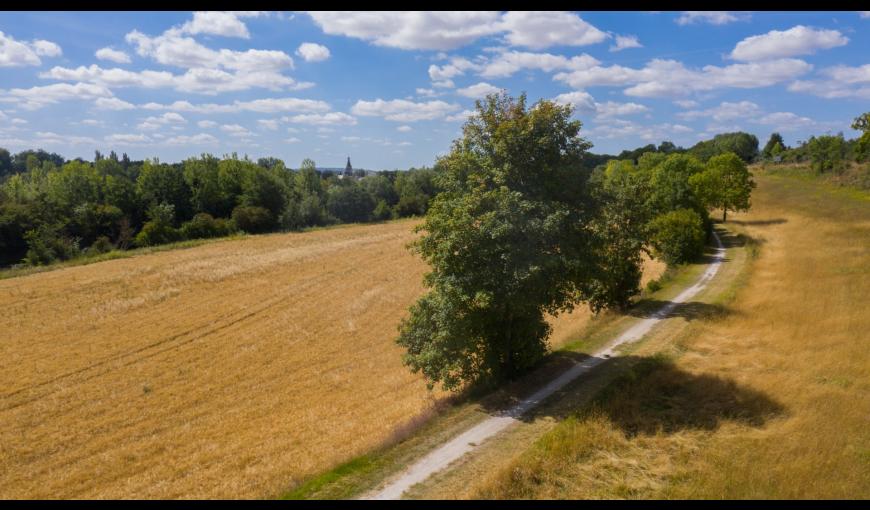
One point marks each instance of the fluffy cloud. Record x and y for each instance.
(785, 121)
(478, 90)
(542, 29)
(50, 138)
(226, 24)
(799, 40)
(841, 82)
(725, 111)
(173, 49)
(45, 48)
(38, 97)
(198, 80)
(128, 139)
(456, 67)
(199, 139)
(618, 128)
(113, 103)
(112, 55)
(401, 110)
(156, 122)
(312, 52)
(662, 78)
(320, 119)
(509, 62)
(236, 130)
(711, 17)
(207, 124)
(17, 53)
(270, 124)
(624, 42)
(584, 103)
(268, 105)
(404, 129)
(447, 30)
(439, 30)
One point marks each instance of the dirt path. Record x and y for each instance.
(469, 440)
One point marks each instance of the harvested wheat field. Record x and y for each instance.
(228, 370)
(768, 399)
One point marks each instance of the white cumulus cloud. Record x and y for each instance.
(112, 55)
(312, 52)
(798, 40)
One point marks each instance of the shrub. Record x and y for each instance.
(678, 236)
(102, 245)
(253, 219)
(204, 225)
(46, 246)
(159, 229)
(382, 211)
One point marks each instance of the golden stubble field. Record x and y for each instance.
(228, 370)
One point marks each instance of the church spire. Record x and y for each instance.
(348, 170)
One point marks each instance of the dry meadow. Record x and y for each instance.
(770, 398)
(228, 370)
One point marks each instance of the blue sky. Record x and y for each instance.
(391, 90)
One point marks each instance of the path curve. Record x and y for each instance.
(445, 454)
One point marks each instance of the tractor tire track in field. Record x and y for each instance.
(443, 456)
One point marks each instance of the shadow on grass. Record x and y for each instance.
(760, 223)
(651, 395)
(690, 311)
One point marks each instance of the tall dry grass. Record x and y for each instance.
(770, 401)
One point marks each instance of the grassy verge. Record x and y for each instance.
(361, 474)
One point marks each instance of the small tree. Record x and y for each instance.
(770, 148)
(725, 184)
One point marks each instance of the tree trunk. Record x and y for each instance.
(508, 347)
(724, 215)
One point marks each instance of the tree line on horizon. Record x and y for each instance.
(54, 209)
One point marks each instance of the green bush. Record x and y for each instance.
(159, 229)
(46, 246)
(204, 225)
(253, 219)
(678, 236)
(102, 245)
(382, 211)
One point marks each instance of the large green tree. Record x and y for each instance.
(862, 123)
(507, 240)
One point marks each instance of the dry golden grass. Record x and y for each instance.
(769, 401)
(232, 369)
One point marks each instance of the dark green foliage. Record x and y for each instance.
(159, 229)
(163, 184)
(827, 153)
(744, 145)
(382, 211)
(774, 146)
(15, 221)
(349, 203)
(669, 184)
(862, 146)
(253, 219)
(102, 245)
(204, 226)
(507, 242)
(678, 236)
(725, 184)
(46, 245)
